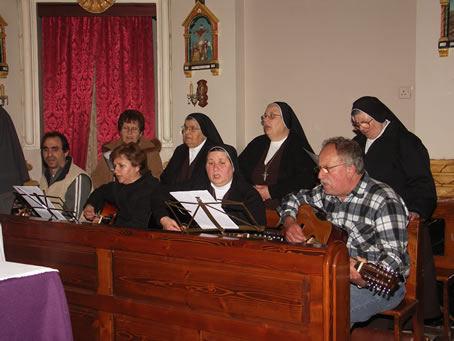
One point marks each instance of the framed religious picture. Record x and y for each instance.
(446, 40)
(3, 64)
(201, 40)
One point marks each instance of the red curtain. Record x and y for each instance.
(124, 74)
(120, 51)
(68, 67)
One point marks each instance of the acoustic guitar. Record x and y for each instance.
(319, 230)
(377, 277)
(108, 214)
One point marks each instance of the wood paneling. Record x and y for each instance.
(443, 173)
(131, 284)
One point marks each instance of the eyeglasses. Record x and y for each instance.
(130, 129)
(191, 129)
(357, 125)
(270, 116)
(327, 169)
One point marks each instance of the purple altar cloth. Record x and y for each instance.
(34, 308)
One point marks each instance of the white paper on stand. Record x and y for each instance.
(39, 202)
(188, 200)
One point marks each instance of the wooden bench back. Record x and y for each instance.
(445, 210)
(415, 250)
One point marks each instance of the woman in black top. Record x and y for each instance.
(135, 193)
(280, 161)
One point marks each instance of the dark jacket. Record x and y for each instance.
(13, 170)
(399, 159)
(296, 170)
(172, 174)
(245, 193)
(239, 191)
(135, 202)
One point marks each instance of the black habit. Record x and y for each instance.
(243, 192)
(399, 159)
(178, 169)
(13, 170)
(296, 167)
(239, 191)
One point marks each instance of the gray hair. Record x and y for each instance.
(348, 150)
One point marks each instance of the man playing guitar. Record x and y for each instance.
(373, 215)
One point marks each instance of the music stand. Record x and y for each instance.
(209, 208)
(46, 206)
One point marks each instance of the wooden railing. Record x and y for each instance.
(131, 284)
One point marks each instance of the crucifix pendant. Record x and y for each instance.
(265, 175)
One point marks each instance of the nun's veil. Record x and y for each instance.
(231, 153)
(373, 107)
(293, 124)
(206, 125)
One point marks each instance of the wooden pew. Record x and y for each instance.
(126, 284)
(444, 264)
(445, 210)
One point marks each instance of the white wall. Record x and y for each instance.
(317, 56)
(320, 56)
(222, 97)
(435, 84)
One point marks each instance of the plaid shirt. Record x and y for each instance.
(373, 215)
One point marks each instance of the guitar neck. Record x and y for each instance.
(378, 277)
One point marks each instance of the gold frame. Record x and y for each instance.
(3, 65)
(446, 40)
(206, 23)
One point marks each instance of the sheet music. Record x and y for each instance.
(188, 200)
(39, 202)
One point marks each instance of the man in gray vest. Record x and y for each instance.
(61, 177)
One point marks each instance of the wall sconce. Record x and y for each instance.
(3, 98)
(201, 94)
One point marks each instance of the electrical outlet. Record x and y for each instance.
(404, 92)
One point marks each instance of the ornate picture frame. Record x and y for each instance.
(201, 40)
(3, 64)
(446, 40)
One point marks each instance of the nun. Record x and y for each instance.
(397, 157)
(281, 160)
(13, 170)
(226, 184)
(394, 155)
(188, 160)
